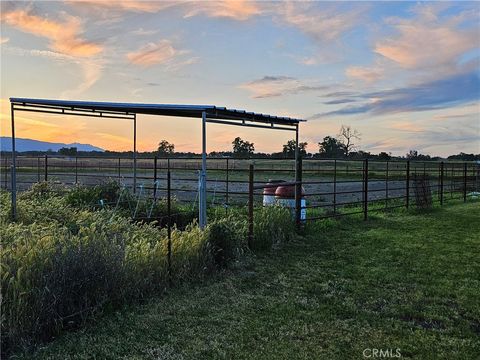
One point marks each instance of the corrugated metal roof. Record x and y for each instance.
(213, 112)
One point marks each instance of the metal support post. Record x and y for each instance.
(134, 153)
(13, 172)
(202, 216)
(250, 206)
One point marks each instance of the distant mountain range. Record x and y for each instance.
(22, 145)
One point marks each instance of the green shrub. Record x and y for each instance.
(227, 239)
(272, 225)
(88, 196)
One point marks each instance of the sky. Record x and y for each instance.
(406, 75)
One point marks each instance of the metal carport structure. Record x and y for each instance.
(129, 111)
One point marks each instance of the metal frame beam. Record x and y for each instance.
(276, 124)
(243, 123)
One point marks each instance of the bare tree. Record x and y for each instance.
(347, 135)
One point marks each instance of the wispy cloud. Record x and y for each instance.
(232, 9)
(161, 52)
(323, 22)
(125, 5)
(368, 74)
(65, 36)
(339, 101)
(271, 86)
(4, 40)
(92, 71)
(144, 32)
(91, 68)
(407, 126)
(449, 92)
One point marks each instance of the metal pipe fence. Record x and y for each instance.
(333, 187)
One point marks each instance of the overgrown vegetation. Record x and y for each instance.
(64, 260)
(394, 282)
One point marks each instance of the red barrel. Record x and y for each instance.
(269, 192)
(285, 196)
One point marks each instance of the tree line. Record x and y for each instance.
(342, 146)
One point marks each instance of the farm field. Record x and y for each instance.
(406, 281)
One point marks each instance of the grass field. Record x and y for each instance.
(406, 282)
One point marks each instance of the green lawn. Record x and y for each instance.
(404, 281)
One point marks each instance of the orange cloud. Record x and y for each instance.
(323, 23)
(427, 41)
(64, 36)
(233, 9)
(364, 73)
(154, 53)
(126, 5)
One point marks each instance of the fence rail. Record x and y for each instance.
(333, 187)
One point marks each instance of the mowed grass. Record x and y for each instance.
(409, 282)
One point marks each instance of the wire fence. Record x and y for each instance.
(332, 187)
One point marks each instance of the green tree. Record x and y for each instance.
(330, 147)
(384, 156)
(242, 148)
(289, 148)
(72, 151)
(165, 148)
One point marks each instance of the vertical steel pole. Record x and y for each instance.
(298, 185)
(46, 167)
(203, 176)
(335, 187)
(465, 182)
(407, 186)
(155, 159)
(441, 183)
(226, 191)
(250, 206)
(365, 191)
(386, 186)
(169, 225)
(134, 153)
(119, 166)
(38, 168)
(13, 172)
(76, 169)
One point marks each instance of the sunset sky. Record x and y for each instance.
(406, 75)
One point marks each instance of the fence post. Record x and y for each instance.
(465, 182)
(169, 224)
(119, 166)
(13, 185)
(365, 190)
(441, 183)
(298, 193)
(76, 169)
(155, 159)
(250, 207)
(46, 167)
(407, 186)
(335, 187)
(386, 185)
(5, 171)
(226, 191)
(38, 168)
